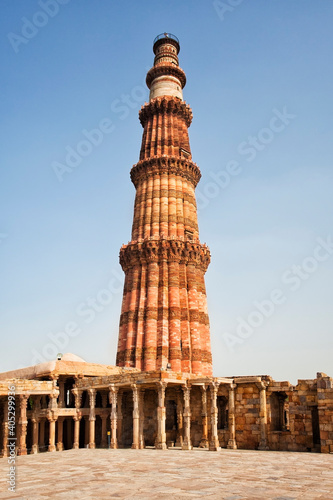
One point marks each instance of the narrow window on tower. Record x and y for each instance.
(183, 152)
(188, 234)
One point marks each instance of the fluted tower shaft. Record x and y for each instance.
(164, 318)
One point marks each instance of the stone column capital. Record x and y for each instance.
(161, 393)
(78, 397)
(53, 400)
(24, 398)
(186, 387)
(262, 385)
(51, 417)
(113, 393)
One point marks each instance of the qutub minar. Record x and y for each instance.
(162, 392)
(164, 318)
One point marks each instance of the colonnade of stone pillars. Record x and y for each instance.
(182, 436)
(232, 427)
(263, 416)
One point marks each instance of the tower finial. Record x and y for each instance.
(166, 77)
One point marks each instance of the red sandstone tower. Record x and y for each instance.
(164, 317)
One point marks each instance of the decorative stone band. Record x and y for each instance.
(167, 193)
(166, 218)
(158, 250)
(166, 105)
(165, 165)
(141, 353)
(163, 313)
(164, 69)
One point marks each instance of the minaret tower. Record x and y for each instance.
(164, 321)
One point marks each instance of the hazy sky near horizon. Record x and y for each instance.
(259, 81)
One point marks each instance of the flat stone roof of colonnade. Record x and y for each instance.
(69, 364)
(151, 378)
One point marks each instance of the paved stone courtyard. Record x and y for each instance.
(156, 474)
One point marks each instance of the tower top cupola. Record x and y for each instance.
(166, 78)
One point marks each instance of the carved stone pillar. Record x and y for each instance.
(52, 418)
(60, 444)
(187, 445)
(78, 398)
(232, 427)
(5, 431)
(52, 422)
(161, 417)
(136, 416)
(113, 393)
(92, 418)
(263, 416)
(23, 423)
(141, 419)
(180, 430)
(204, 415)
(35, 425)
(77, 420)
(214, 444)
(119, 426)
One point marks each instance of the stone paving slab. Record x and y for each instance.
(163, 474)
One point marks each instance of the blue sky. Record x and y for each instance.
(259, 81)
